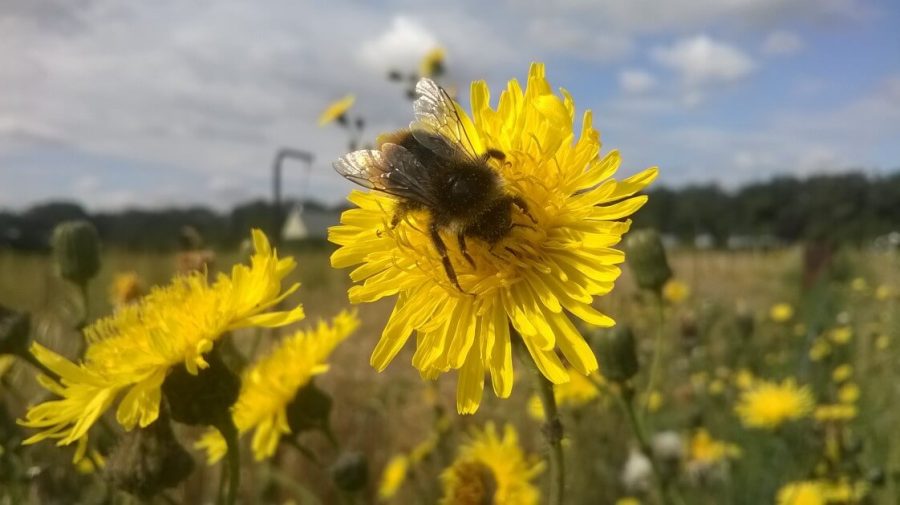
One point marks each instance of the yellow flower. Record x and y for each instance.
(271, 384)
(835, 412)
(675, 291)
(702, 448)
(628, 500)
(532, 281)
(841, 335)
(842, 373)
(336, 110)
(859, 284)
(432, 63)
(882, 342)
(820, 349)
(781, 312)
(769, 404)
(654, 401)
(716, 387)
(491, 469)
(744, 378)
(802, 493)
(883, 292)
(844, 491)
(393, 476)
(131, 352)
(848, 393)
(125, 288)
(578, 392)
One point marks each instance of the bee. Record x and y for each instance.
(433, 166)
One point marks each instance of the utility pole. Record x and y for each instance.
(281, 155)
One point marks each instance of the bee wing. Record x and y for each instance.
(392, 170)
(437, 116)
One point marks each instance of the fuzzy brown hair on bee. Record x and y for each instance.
(433, 167)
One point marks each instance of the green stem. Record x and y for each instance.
(233, 470)
(657, 350)
(553, 428)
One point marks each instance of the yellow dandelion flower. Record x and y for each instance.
(578, 392)
(848, 393)
(859, 285)
(492, 469)
(835, 412)
(393, 476)
(336, 110)
(703, 448)
(807, 492)
(628, 500)
(716, 387)
(131, 352)
(675, 291)
(744, 378)
(654, 401)
(820, 349)
(432, 63)
(882, 342)
(883, 292)
(126, 287)
(841, 335)
(842, 373)
(538, 275)
(781, 312)
(769, 404)
(271, 384)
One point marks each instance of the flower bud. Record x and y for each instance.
(149, 460)
(76, 246)
(309, 410)
(204, 399)
(616, 352)
(647, 258)
(350, 472)
(15, 328)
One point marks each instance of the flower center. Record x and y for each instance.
(475, 485)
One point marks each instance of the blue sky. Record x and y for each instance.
(149, 104)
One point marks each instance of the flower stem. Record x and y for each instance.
(657, 350)
(553, 428)
(233, 470)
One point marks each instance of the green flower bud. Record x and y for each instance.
(647, 258)
(76, 246)
(309, 410)
(350, 472)
(616, 353)
(204, 399)
(15, 328)
(149, 460)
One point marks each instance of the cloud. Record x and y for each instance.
(782, 43)
(636, 81)
(402, 45)
(566, 36)
(700, 60)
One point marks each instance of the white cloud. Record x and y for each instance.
(636, 81)
(701, 60)
(782, 43)
(402, 45)
(576, 38)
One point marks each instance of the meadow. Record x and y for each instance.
(730, 321)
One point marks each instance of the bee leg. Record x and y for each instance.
(462, 248)
(519, 202)
(495, 154)
(441, 247)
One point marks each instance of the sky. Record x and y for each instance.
(170, 103)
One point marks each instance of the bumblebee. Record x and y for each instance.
(434, 167)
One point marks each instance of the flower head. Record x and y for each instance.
(538, 275)
(579, 391)
(130, 353)
(336, 110)
(393, 476)
(781, 312)
(271, 384)
(835, 412)
(769, 404)
(675, 291)
(432, 63)
(126, 287)
(806, 492)
(703, 448)
(491, 469)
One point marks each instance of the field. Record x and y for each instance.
(717, 340)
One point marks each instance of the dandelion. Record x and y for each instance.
(781, 312)
(842, 373)
(859, 285)
(126, 287)
(337, 110)
(702, 447)
(578, 392)
(848, 393)
(769, 404)
(628, 500)
(532, 280)
(130, 353)
(654, 401)
(432, 64)
(820, 349)
(835, 412)
(270, 385)
(744, 378)
(675, 291)
(882, 342)
(841, 335)
(883, 292)
(393, 476)
(801, 493)
(491, 469)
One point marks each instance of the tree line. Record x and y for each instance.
(851, 208)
